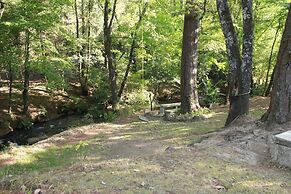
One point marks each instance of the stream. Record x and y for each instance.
(39, 131)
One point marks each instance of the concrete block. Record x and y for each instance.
(281, 149)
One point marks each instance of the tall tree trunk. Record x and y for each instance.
(83, 74)
(132, 49)
(10, 88)
(280, 106)
(233, 51)
(108, 50)
(189, 60)
(240, 70)
(245, 73)
(88, 52)
(266, 88)
(25, 93)
(77, 19)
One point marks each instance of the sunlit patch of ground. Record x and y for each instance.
(142, 157)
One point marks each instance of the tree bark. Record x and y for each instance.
(10, 88)
(108, 50)
(245, 73)
(25, 93)
(131, 53)
(83, 65)
(189, 61)
(280, 106)
(77, 20)
(90, 7)
(240, 68)
(270, 85)
(233, 51)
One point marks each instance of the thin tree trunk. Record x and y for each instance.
(132, 49)
(266, 92)
(80, 54)
(245, 73)
(83, 75)
(77, 36)
(270, 85)
(280, 106)
(233, 51)
(77, 19)
(189, 61)
(90, 7)
(2, 8)
(10, 88)
(25, 93)
(108, 50)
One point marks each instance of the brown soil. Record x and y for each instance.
(135, 160)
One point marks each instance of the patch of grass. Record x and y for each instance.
(50, 158)
(179, 133)
(257, 112)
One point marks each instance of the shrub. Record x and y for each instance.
(25, 123)
(110, 116)
(5, 122)
(139, 99)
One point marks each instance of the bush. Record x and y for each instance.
(88, 119)
(110, 116)
(201, 111)
(78, 106)
(25, 123)
(97, 111)
(258, 90)
(139, 99)
(101, 115)
(101, 94)
(125, 111)
(5, 122)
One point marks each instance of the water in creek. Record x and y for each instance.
(39, 131)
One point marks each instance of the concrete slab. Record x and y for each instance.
(281, 155)
(284, 139)
(280, 149)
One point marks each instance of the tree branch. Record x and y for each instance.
(113, 14)
(204, 10)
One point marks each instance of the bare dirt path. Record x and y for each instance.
(130, 156)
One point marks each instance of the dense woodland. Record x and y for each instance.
(145, 96)
(110, 54)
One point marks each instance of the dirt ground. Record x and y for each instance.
(130, 156)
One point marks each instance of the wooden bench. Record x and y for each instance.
(281, 149)
(163, 107)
